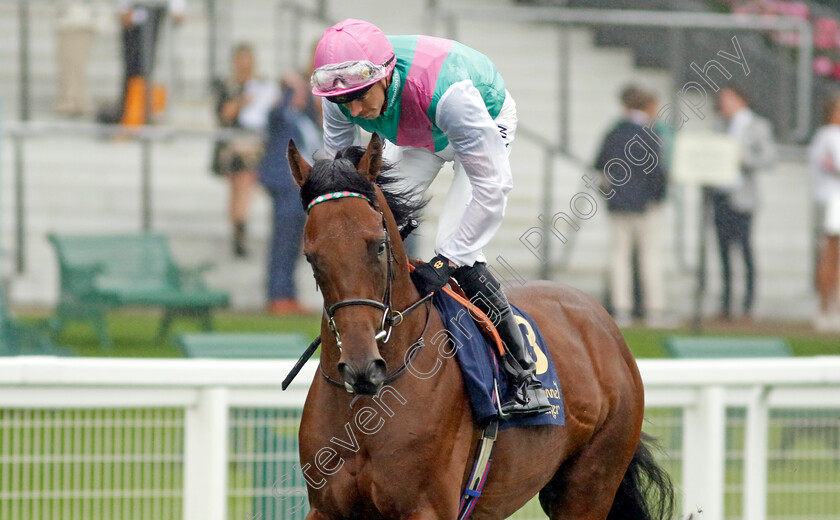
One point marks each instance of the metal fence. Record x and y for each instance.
(217, 439)
(263, 452)
(91, 463)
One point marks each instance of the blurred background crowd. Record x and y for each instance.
(678, 160)
(172, 116)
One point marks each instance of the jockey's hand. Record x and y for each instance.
(430, 277)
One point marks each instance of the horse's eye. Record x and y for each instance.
(381, 249)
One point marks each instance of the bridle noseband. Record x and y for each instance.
(390, 317)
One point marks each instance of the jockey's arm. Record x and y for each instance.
(462, 115)
(339, 132)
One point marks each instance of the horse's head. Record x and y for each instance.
(351, 252)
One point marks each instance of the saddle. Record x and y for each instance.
(479, 349)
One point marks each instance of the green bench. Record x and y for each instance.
(103, 272)
(711, 347)
(242, 346)
(18, 338)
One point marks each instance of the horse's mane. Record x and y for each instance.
(329, 176)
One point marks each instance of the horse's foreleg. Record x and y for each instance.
(430, 514)
(314, 514)
(434, 507)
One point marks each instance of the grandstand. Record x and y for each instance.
(94, 184)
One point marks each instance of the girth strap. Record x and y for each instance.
(481, 467)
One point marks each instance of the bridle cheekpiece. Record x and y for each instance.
(390, 317)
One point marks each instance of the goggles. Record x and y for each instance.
(347, 76)
(350, 96)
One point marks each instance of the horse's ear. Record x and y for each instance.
(300, 168)
(371, 161)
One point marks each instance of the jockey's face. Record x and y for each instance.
(370, 105)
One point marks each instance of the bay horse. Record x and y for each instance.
(401, 445)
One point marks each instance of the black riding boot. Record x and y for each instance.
(526, 394)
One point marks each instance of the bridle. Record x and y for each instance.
(390, 318)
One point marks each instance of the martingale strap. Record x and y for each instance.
(481, 467)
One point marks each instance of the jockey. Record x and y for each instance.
(435, 100)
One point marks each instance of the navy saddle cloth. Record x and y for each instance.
(478, 363)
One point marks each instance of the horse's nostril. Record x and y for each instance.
(376, 370)
(347, 372)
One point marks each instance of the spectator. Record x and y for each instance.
(313, 106)
(825, 168)
(636, 216)
(75, 31)
(733, 206)
(290, 119)
(141, 21)
(242, 102)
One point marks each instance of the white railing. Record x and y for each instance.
(191, 443)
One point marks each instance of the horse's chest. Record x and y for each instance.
(371, 486)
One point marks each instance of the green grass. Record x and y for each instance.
(647, 343)
(134, 334)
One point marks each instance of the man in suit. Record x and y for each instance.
(733, 206)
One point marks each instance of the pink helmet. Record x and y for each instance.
(350, 56)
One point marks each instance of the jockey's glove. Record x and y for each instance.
(432, 276)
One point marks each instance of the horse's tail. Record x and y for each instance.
(646, 491)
